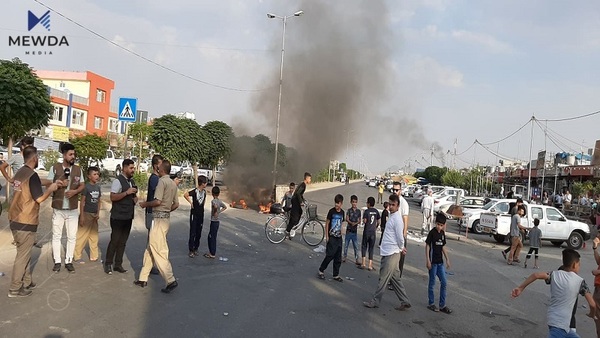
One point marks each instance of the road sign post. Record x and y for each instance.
(127, 113)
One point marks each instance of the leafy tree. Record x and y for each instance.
(140, 132)
(220, 140)
(89, 148)
(433, 174)
(343, 167)
(24, 102)
(49, 157)
(179, 139)
(453, 178)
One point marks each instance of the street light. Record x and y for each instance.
(284, 21)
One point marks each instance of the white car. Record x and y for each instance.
(373, 183)
(471, 218)
(466, 203)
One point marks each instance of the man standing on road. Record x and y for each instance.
(392, 247)
(152, 183)
(297, 203)
(157, 251)
(403, 210)
(427, 210)
(23, 217)
(513, 211)
(65, 206)
(123, 197)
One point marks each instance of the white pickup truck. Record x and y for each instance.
(555, 227)
(111, 163)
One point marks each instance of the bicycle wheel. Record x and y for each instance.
(275, 229)
(313, 233)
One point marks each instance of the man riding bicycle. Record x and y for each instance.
(297, 203)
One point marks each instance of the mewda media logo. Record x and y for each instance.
(33, 20)
(38, 44)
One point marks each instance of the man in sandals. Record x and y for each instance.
(392, 247)
(435, 252)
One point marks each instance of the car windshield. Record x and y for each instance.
(489, 205)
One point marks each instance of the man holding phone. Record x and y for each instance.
(123, 197)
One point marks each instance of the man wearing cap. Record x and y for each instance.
(435, 252)
(427, 210)
(65, 205)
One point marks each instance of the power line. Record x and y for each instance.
(145, 58)
(516, 131)
(572, 118)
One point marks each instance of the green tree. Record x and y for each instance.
(433, 174)
(453, 178)
(24, 102)
(49, 157)
(179, 139)
(220, 139)
(89, 148)
(140, 132)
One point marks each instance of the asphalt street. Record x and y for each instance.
(272, 290)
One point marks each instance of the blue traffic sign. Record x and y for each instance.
(127, 109)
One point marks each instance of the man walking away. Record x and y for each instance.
(427, 210)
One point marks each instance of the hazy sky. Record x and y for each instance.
(461, 70)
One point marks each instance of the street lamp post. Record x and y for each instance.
(284, 21)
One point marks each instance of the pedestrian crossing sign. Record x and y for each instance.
(127, 109)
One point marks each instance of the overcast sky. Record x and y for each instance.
(461, 70)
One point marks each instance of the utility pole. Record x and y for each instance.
(431, 157)
(454, 158)
(530, 152)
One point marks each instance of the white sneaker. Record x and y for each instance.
(292, 233)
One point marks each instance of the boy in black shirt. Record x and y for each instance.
(333, 236)
(371, 221)
(384, 216)
(352, 221)
(435, 252)
(198, 197)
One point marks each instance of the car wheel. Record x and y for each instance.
(476, 227)
(499, 238)
(575, 241)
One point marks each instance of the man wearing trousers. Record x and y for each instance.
(23, 217)
(157, 251)
(65, 206)
(392, 247)
(427, 210)
(123, 197)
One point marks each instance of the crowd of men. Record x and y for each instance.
(65, 185)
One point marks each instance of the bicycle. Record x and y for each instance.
(312, 229)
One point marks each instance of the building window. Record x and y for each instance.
(58, 114)
(78, 118)
(100, 95)
(98, 122)
(113, 125)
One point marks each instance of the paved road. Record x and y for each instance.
(271, 290)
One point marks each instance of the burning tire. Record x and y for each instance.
(275, 229)
(313, 232)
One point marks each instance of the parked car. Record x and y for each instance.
(555, 227)
(471, 220)
(466, 203)
(372, 183)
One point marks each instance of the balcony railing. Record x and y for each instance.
(65, 96)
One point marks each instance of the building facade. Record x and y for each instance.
(82, 106)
